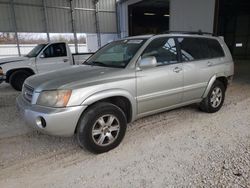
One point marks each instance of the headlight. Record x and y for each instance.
(57, 98)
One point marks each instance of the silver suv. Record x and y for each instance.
(126, 80)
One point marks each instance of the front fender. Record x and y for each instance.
(25, 64)
(112, 93)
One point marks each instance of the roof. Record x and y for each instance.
(140, 37)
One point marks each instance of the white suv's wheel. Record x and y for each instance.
(215, 98)
(101, 128)
(17, 79)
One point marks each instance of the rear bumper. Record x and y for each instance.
(59, 121)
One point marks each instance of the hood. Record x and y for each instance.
(12, 59)
(75, 77)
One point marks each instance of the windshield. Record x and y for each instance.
(116, 54)
(35, 51)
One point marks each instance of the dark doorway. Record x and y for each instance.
(148, 17)
(234, 25)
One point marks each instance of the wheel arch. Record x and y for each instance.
(120, 98)
(10, 72)
(224, 80)
(221, 78)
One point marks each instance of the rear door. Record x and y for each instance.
(53, 57)
(161, 86)
(198, 65)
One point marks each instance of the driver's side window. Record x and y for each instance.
(163, 49)
(55, 50)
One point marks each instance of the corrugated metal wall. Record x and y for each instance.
(5, 17)
(30, 16)
(85, 21)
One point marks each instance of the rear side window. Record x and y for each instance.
(199, 48)
(55, 50)
(215, 48)
(193, 49)
(163, 49)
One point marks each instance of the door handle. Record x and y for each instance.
(209, 64)
(65, 60)
(177, 69)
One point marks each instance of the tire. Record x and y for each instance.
(17, 79)
(95, 133)
(215, 98)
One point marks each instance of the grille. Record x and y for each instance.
(27, 93)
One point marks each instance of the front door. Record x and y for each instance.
(54, 57)
(161, 86)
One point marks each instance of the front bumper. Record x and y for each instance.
(59, 121)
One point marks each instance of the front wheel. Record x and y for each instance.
(17, 79)
(101, 128)
(215, 98)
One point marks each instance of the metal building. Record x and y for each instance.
(102, 21)
(94, 17)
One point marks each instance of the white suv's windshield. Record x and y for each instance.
(35, 51)
(116, 54)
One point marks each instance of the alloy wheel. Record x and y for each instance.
(216, 97)
(105, 130)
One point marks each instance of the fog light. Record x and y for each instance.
(40, 122)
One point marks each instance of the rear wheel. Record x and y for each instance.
(17, 79)
(215, 98)
(101, 128)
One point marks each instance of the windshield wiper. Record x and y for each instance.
(93, 63)
(97, 63)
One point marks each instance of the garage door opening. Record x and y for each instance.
(234, 25)
(148, 17)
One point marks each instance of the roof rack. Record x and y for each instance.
(199, 32)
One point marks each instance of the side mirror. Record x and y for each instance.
(148, 62)
(42, 55)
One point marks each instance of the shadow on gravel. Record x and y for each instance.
(7, 95)
(242, 69)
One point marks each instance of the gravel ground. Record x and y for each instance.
(179, 148)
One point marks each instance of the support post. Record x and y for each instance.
(73, 25)
(118, 22)
(46, 20)
(97, 24)
(15, 26)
